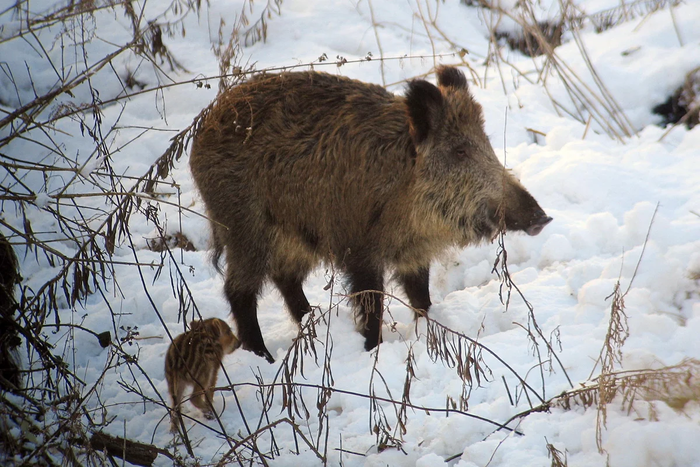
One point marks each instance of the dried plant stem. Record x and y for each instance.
(376, 37)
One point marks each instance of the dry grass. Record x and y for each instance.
(91, 203)
(586, 103)
(676, 386)
(558, 458)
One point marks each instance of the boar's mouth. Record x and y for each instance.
(486, 222)
(481, 225)
(484, 227)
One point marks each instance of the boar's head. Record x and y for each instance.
(459, 179)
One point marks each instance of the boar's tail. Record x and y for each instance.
(218, 248)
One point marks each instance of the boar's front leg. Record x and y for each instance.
(415, 284)
(364, 278)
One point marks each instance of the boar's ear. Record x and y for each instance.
(425, 104)
(451, 76)
(217, 328)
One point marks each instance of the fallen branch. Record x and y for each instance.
(131, 451)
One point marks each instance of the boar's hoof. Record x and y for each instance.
(265, 354)
(260, 352)
(372, 342)
(538, 225)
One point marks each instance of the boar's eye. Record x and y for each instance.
(461, 153)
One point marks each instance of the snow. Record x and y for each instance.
(602, 193)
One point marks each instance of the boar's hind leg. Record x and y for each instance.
(415, 284)
(243, 282)
(370, 304)
(293, 293)
(244, 307)
(176, 387)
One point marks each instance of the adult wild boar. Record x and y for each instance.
(303, 167)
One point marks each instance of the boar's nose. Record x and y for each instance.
(538, 224)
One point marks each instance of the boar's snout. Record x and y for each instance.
(530, 224)
(538, 224)
(523, 213)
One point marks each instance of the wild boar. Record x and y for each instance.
(303, 167)
(193, 359)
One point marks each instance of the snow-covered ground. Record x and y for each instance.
(602, 192)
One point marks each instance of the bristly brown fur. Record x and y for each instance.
(193, 359)
(298, 168)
